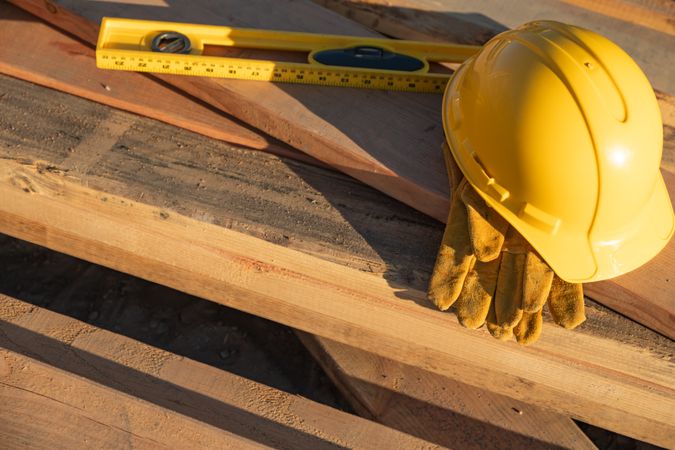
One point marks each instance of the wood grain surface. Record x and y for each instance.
(45, 56)
(300, 245)
(334, 125)
(437, 408)
(657, 15)
(67, 384)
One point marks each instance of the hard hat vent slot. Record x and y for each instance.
(481, 165)
(539, 218)
(494, 189)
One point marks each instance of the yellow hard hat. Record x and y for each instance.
(559, 131)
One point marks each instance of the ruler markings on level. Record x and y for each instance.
(141, 46)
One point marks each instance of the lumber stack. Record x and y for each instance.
(337, 129)
(208, 243)
(305, 246)
(67, 384)
(466, 401)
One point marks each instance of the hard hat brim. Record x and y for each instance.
(648, 234)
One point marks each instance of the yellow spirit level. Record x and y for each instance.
(329, 60)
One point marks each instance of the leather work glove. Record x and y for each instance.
(492, 274)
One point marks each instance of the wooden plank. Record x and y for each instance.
(667, 105)
(394, 18)
(47, 57)
(198, 228)
(405, 18)
(33, 419)
(633, 12)
(42, 408)
(72, 385)
(417, 181)
(437, 408)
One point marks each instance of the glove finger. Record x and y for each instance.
(475, 298)
(486, 227)
(566, 303)
(509, 292)
(455, 259)
(529, 328)
(455, 175)
(495, 330)
(515, 242)
(536, 283)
